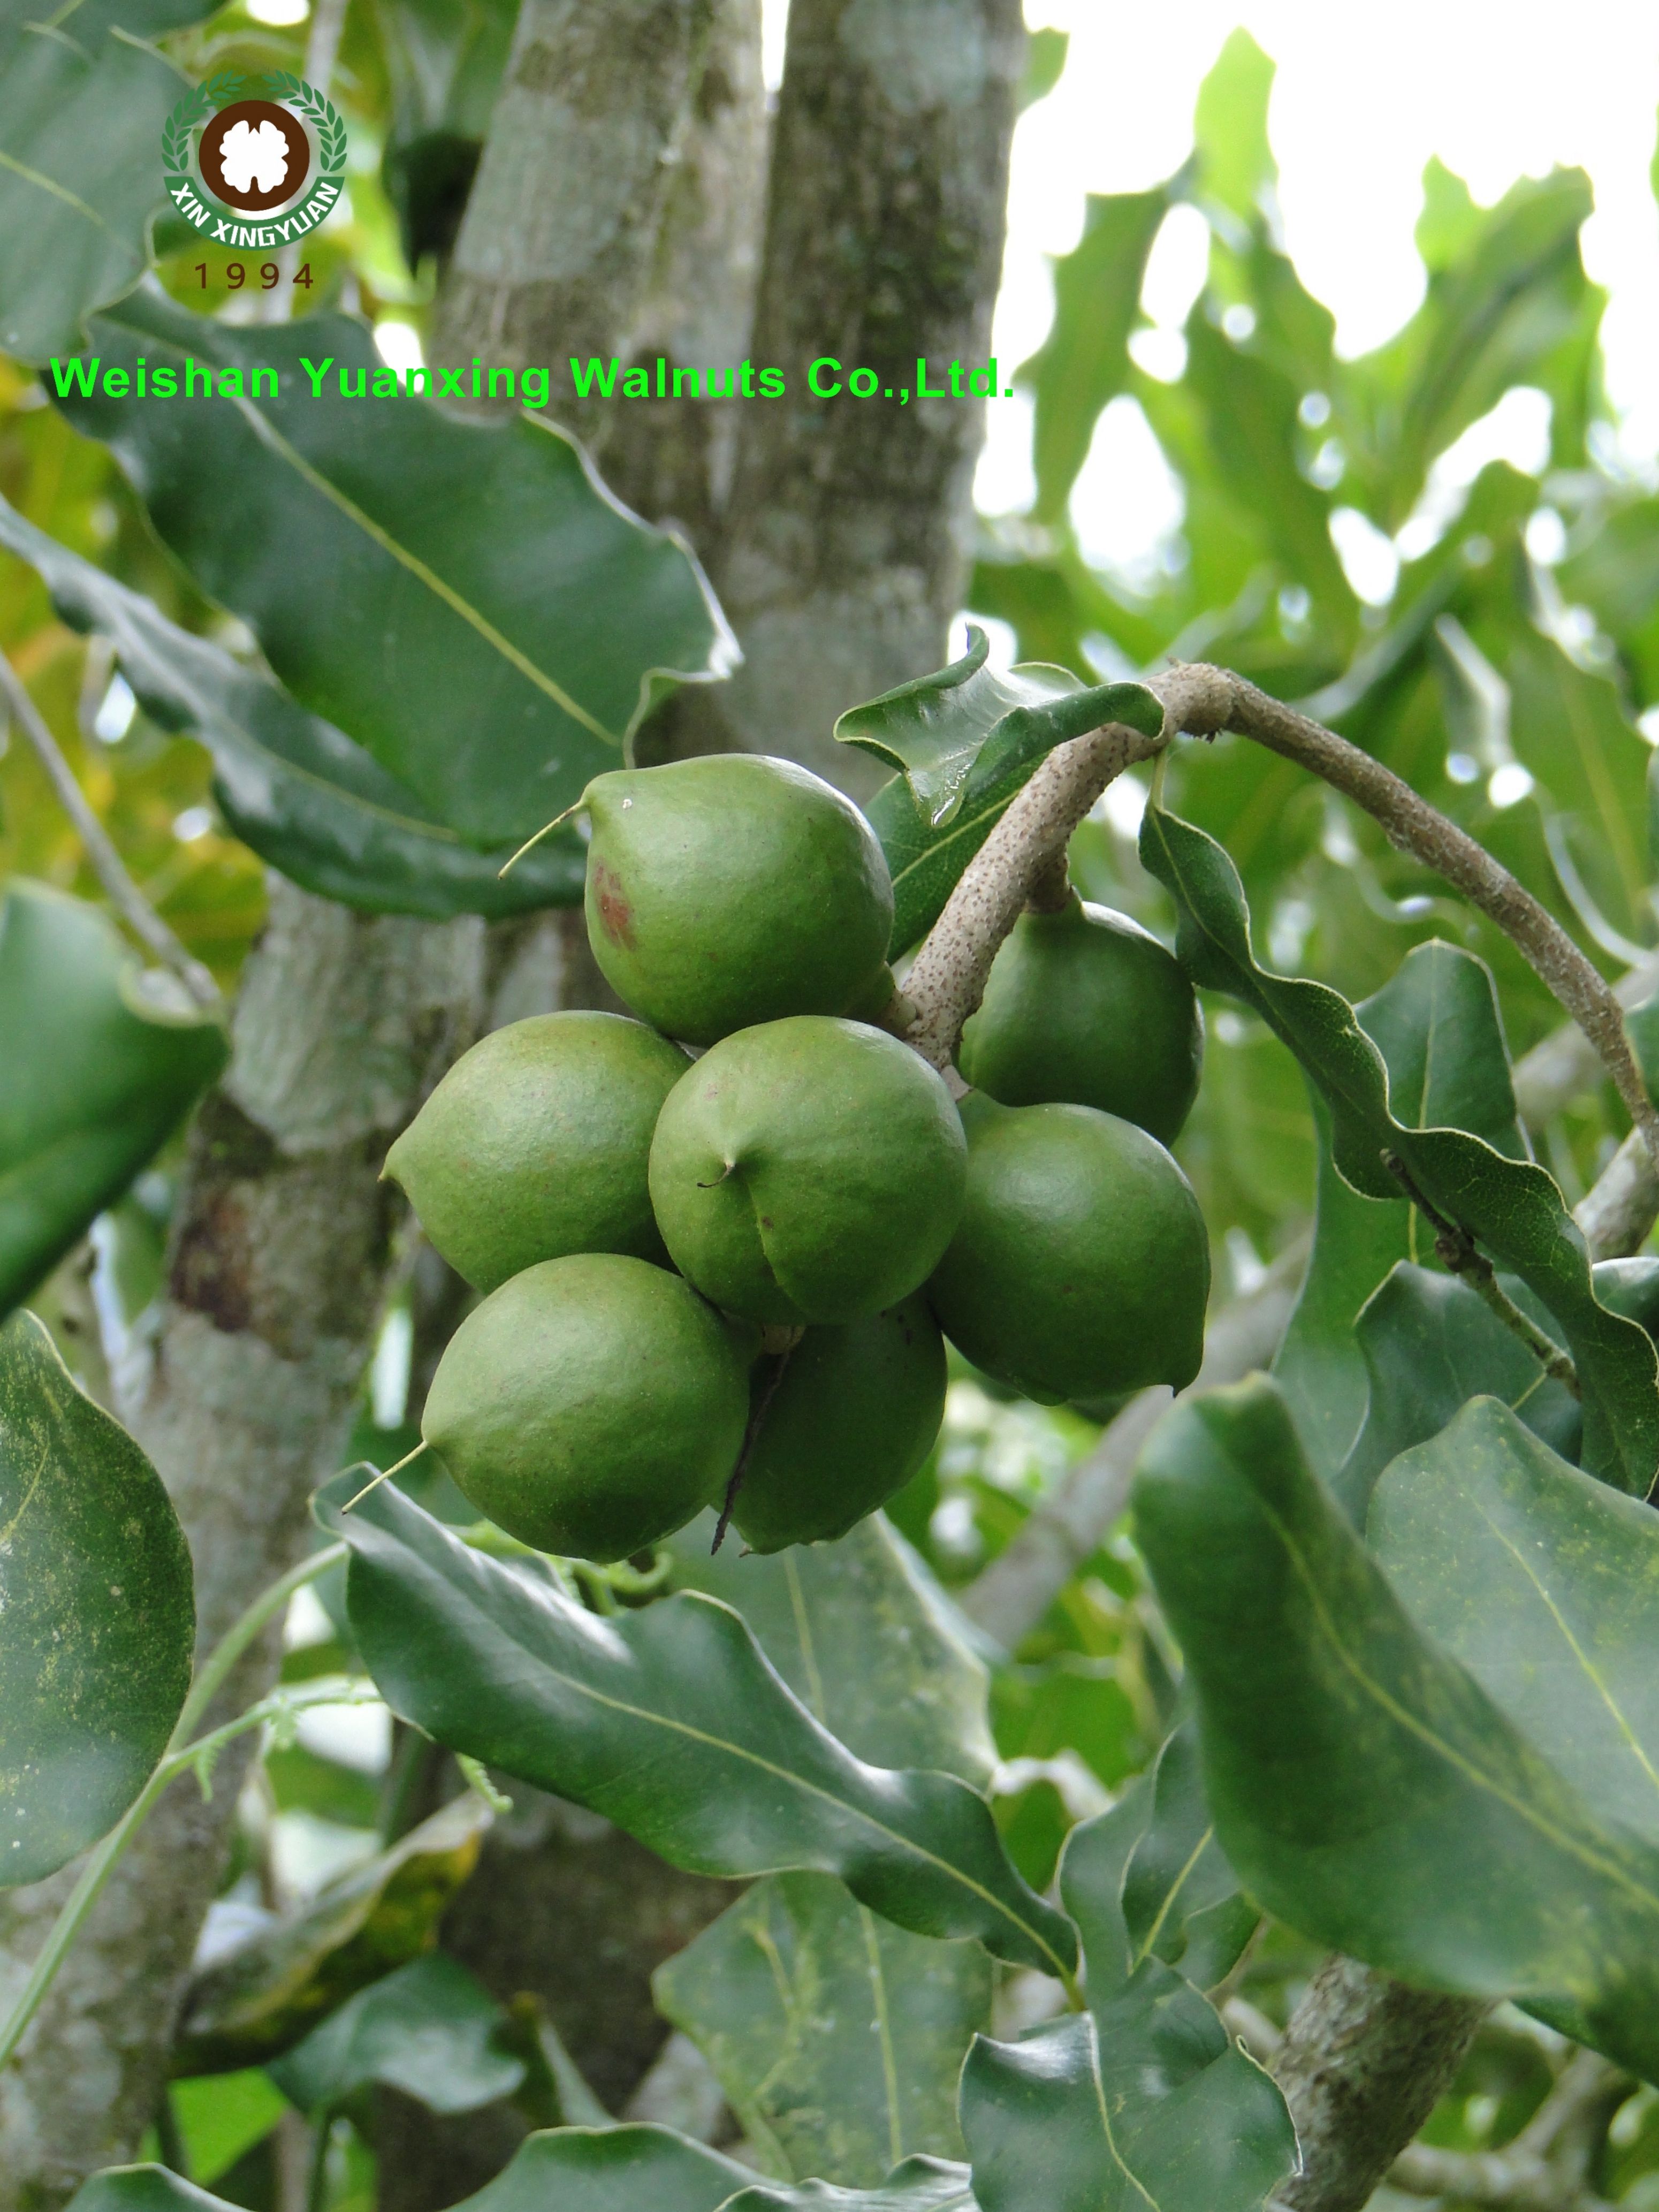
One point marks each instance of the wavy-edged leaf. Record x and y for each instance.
(865, 1637)
(1180, 1899)
(1084, 359)
(624, 2169)
(1511, 1207)
(290, 784)
(837, 2038)
(431, 2030)
(1365, 1785)
(100, 1060)
(967, 739)
(1144, 2104)
(1430, 1345)
(671, 1722)
(97, 1612)
(272, 1990)
(462, 598)
(1437, 1024)
(920, 2184)
(1545, 1584)
(82, 100)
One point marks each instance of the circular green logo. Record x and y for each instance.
(254, 163)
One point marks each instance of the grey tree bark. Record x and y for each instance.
(280, 1248)
(845, 552)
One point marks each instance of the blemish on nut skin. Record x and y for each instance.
(615, 915)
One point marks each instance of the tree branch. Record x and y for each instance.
(947, 981)
(124, 895)
(1202, 700)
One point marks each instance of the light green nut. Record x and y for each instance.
(591, 1406)
(730, 890)
(1080, 1268)
(808, 1171)
(840, 1424)
(535, 1144)
(1086, 1008)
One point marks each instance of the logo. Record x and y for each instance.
(253, 164)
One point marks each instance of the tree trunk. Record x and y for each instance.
(280, 1248)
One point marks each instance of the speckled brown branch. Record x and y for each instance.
(1023, 852)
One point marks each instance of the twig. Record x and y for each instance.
(1565, 1064)
(1202, 700)
(122, 892)
(1457, 1248)
(948, 979)
(1621, 1207)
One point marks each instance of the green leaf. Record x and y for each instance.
(97, 1615)
(1229, 125)
(1180, 1899)
(271, 1989)
(1252, 431)
(1365, 1787)
(82, 101)
(1430, 1345)
(1084, 359)
(1144, 2100)
(1545, 1585)
(461, 599)
(1511, 1207)
(1502, 296)
(865, 1637)
(624, 2169)
(430, 2030)
(1437, 1026)
(221, 2117)
(1045, 60)
(967, 739)
(128, 1057)
(920, 2184)
(670, 1721)
(837, 2039)
(288, 784)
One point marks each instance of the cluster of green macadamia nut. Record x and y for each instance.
(726, 1280)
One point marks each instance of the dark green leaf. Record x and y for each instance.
(1144, 2100)
(1084, 359)
(1436, 1025)
(967, 739)
(82, 106)
(429, 2030)
(920, 2184)
(837, 2039)
(1546, 1585)
(866, 1639)
(669, 1721)
(99, 1062)
(1365, 1787)
(1430, 1345)
(1180, 1899)
(303, 796)
(263, 1996)
(142, 2188)
(97, 1615)
(1511, 1207)
(461, 599)
(444, 60)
